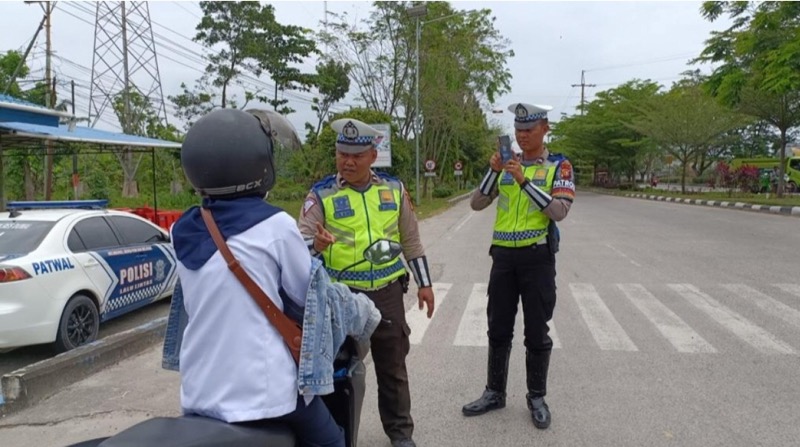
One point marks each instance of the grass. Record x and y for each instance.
(755, 199)
(428, 208)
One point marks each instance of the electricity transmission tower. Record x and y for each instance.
(124, 62)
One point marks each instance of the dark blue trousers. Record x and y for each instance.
(313, 425)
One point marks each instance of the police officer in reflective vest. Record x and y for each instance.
(535, 190)
(341, 216)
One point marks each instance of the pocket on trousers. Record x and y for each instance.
(406, 335)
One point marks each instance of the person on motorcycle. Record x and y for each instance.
(234, 365)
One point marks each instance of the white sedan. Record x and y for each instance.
(65, 267)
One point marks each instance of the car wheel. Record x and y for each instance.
(79, 324)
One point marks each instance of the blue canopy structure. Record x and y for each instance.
(24, 124)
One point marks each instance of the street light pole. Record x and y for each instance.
(418, 12)
(416, 111)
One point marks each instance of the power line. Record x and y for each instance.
(648, 62)
(203, 60)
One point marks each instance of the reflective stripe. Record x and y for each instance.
(487, 185)
(421, 273)
(345, 237)
(517, 235)
(369, 275)
(392, 229)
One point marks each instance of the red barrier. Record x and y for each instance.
(164, 219)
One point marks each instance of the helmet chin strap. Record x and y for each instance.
(266, 196)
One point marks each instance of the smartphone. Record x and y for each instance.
(506, 153)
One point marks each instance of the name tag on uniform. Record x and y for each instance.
(539, 177)
(341, 207)
(387, 201)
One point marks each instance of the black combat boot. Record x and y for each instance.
(536, 365)
(494, 396)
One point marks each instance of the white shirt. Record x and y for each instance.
(235, 365)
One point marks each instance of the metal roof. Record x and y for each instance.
(10, 102)
(16, 130)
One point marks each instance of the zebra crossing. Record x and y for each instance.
(733, 309)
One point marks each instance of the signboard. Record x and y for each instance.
(384, 146)
(430, 165)
(457, 173)
(458, 166)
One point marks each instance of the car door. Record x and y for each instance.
(155, 274)
(90, 240)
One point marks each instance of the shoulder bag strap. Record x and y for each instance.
(289, 330)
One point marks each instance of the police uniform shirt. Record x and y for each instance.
(562, 194)
(235, 365)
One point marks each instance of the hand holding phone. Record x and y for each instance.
(506, 153)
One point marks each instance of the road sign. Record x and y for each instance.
(430, 165)
(459, 172)
(458, 166)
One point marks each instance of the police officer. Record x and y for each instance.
(536, 190)
(342, 215)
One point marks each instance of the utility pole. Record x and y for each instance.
(49, 94)
(49, 101)
(583, 85)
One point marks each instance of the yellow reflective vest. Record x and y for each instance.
(357, 219)
(519, 222)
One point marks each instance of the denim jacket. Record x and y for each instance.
(347, 313)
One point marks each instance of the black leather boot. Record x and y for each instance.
(494, 396)
(536, 365)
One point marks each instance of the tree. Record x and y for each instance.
(143, 120)
(245, 41)
(686, 123)
(24, 164)
(8, 63)
(758, 61)
(463, 51)
(333, 82)
(600, 137)
(283, 45)
(235, 28)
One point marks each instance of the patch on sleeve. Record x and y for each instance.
(565, 170)
(309, 203)
(564, 185)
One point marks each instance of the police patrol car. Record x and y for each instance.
(65, 267)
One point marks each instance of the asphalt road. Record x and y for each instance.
(20, 357)
(676, 325)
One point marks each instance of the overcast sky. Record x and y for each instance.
(553, 41)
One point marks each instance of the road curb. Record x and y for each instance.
(459, 198)
(29, 385)
(784, 210)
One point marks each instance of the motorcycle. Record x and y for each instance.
(197, 431)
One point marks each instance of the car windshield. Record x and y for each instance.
(21, 237)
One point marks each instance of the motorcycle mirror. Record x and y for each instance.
(383, 251)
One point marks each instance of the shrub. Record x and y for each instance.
(442, 191)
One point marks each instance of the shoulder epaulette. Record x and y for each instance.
(386, 176)
(553, 156)
(326, 182)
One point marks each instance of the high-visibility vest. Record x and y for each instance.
(519, 222)
(357, 219)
